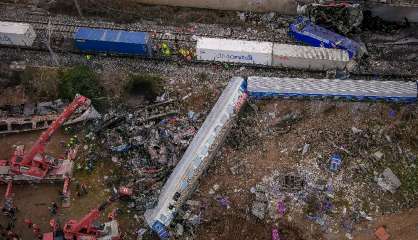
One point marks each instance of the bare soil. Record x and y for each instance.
(258, 156)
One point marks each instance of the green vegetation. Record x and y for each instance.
(82, 80)
(40, 84)
(149, 86)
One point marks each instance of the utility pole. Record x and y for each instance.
(78, 8)
(49, 32)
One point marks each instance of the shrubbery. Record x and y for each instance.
(150, 86)
(82, 80)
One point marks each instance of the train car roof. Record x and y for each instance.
(97, 34)
(14, 27)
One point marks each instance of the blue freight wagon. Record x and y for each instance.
(95, 40)
(305, 31)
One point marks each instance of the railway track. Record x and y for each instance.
(159, 32)
(356, 74)
(63, 30)
(71, 28)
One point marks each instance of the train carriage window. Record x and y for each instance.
(40, 124)
(3, 126)
(21, 126)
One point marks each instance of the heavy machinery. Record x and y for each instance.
(35, 164)
(86, 228)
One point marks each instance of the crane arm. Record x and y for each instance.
(39, 146)
(86, 221)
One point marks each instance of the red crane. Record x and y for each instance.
(34, 163)
(85, 228)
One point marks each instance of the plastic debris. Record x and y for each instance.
(281, 208)
(259, 209)
(336, 160)
(275, 234)
(224, 202)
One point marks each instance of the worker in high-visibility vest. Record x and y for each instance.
(165, 49)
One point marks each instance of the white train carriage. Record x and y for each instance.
(17, 34)
(397, 91)
(197, 156)
(236, 51)
(270, 54)
(305, 57)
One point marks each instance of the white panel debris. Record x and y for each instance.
(388, 181)
(305, 57)
(198, 155)
(230, 50)
(17, 34)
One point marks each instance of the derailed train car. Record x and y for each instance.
(393, 91)
(197, 156)
(303, 30)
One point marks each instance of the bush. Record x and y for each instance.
(40, 84)
(149, 86)
(82, 80)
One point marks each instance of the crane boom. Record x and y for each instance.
(39, 146)
(33, 162)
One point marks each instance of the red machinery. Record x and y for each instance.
(84, 229)
(34, 163)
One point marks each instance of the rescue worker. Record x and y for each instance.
(36, 229)
(53, 209)
(28, 222)
(165, 50)
(82, 190)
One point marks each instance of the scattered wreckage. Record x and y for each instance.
(35, 165)
(210, 136)
(86, 228)
(197, 156)
(32, 117)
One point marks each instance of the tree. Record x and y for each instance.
(82, 80)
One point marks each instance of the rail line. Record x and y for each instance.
(165, 33)
(64, 32)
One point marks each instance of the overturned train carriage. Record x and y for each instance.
(396, 91)
(197, 156)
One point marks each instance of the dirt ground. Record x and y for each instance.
(402, 226)
(254, 149)
(259, 156)
(33, 200)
